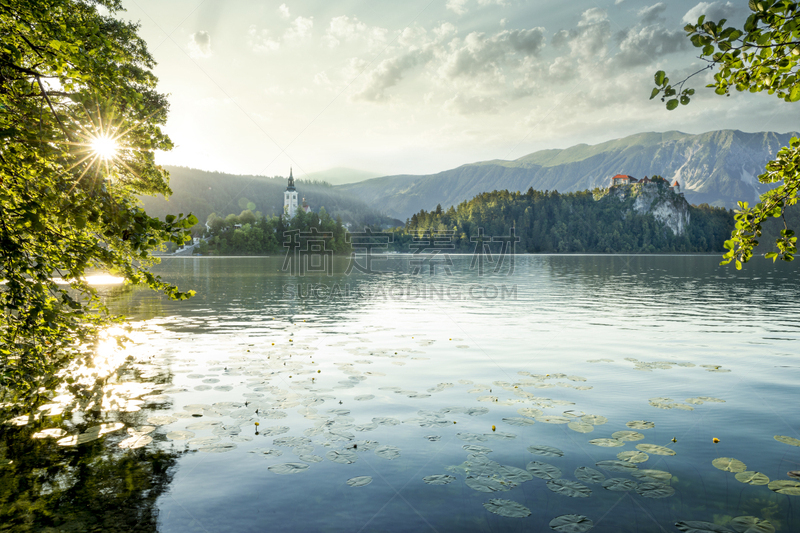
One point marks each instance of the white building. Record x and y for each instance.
(290, 198)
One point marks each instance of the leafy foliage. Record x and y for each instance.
(566, 223)
(71, 79)
(764, 55)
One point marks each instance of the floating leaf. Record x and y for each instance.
(344, 457)
(530, 412)
(310, 458)
(751, 524)
(519, 421)
(388, 452)
(640, 424)
(565, 487)
(547, 451)
(438, 479)
(489, 483)
(360, 481)
(589, 475)
(553, 419)
(55, 433)
(647, 475)
(203, 441)
(785, 486)
(701, 527)
(728, 464)
(752, 478)
(616, 466)
(571, 523)
(655, 449)
(217, 447)
(474, 448)
(136, 441)
(507, 508)
(580, 427)
(607, 443)
(633, 457)
(499, 435)
(543, 470)
(471, 437)
(514, 474)
(180, 435)
(791, 441)
(288, 468)
(267, 452)
(619, 484)
(595, 420)
(627, 436)
(654, 489)
(161, 420)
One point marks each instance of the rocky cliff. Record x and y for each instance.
(666, 206)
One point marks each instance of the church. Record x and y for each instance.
(290, 199)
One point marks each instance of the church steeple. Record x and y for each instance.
(291, 181)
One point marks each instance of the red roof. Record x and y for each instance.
(621, 177)
(676, 184)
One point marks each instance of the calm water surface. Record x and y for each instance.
(275, 391)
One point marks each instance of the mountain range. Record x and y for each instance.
(718, 168)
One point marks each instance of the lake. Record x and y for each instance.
(576, 392)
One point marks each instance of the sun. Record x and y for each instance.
(104, 147)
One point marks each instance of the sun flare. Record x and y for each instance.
(105, 147)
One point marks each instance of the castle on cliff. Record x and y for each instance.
(623, 179)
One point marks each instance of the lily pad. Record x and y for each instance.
(728, 464)
(791, 441)
(752, 478)
(646, 475)
(619, 484)
(514, 474)
(571, 523)
(627, 436)
(580, 427)
(595, 420)
(655, 449)
(607, 443)
(217, 447)
(640, 424)
(565, 487)
(519, 421)
(288, 468)
(589, 475)
(633, 457)
(310, 458)
(696, 526)
(530, 412)
(553, 419)
(751, 524)
(388, 452)
(785, 486)
(507, 508)
(136, 441)
(438, 479)
(180, 435)
(489, 483)
(654, 489)
(360, 481)
(267, 452)
(344, 457)
(543, 470)
(617, 466)
(161, 420)
(547, 451)
(474, 448)
(471, 437)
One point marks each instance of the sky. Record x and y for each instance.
(421, 86)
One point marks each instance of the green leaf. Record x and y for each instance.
(660, 77)
(654, 93)
(672, 104)
(794, 94)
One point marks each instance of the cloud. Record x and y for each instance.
(200, 44)
(388, 74)
(260, 41)
(590, 38)
(457, 6)
(653, 13)
(473, 105)
(444, 30)
(712, 10)
(343, 29)
(300, 29)
(648, 45)
(284, 11)
(479, 55)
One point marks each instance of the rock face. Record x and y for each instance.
(666, 206)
